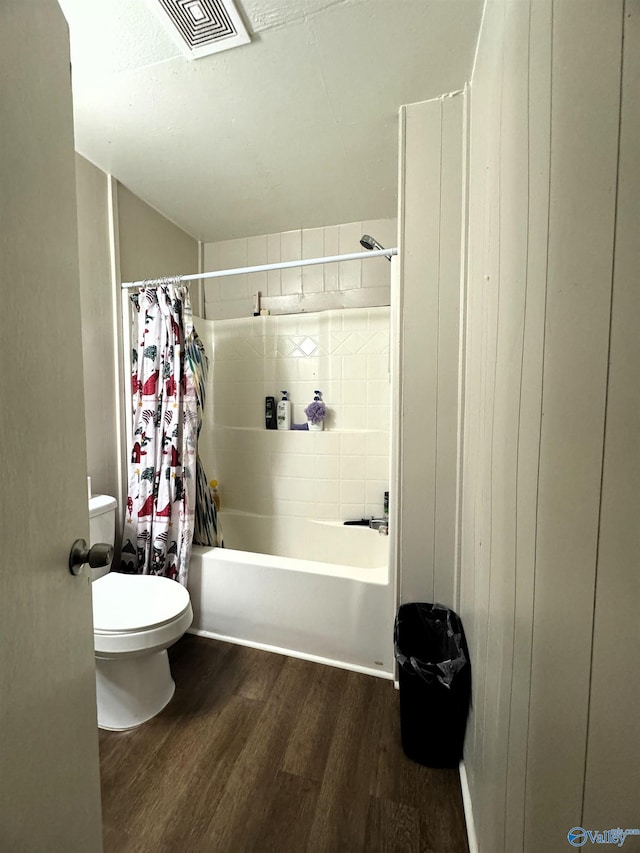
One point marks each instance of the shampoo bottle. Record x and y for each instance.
(284, 412)
(270, 412)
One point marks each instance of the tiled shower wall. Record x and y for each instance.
(339, 473)
(313, 288)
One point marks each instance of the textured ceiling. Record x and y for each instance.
(296, 129)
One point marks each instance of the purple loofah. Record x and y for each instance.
(316, 411)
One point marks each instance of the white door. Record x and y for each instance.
(49, 769)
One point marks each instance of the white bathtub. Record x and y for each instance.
(259, 590)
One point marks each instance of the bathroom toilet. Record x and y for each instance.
(135, 620)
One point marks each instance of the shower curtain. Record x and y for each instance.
(207, 525)
(159, 518)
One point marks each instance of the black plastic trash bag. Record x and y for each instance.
(435, 683)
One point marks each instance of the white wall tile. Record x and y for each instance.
(352, 467)
(377, 468)
(309, 370)
(378, 319)
(377, 443)
(225, 310)
(327, 443)
(313, 247)
(211, 256)
(291, 245)
(291, 281)
(211, 262)
(257, 256)
(378, 392)
(352, 492)
(289, 488)
(352, 444)
(327, 467)
(377, 367)
(331, 369)
(324, 491)
(376, 272)
(331, 393)
(314, 474)
(378, 417)
(356, 320)
(297, 509)
(273, 257)
(352, 417)
(291, 465)
(211, 291)
(349, 277)
(257, 250)
(229, 287)
(331, 247)
(291, 250)
(233, 253)
(354, 367)
(374, 494)
(349, 272)
(354, 392)
(287, 324)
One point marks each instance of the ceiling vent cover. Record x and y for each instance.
(202, 27)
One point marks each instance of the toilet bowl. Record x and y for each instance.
(135, 620)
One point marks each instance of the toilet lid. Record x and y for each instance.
(136, 602)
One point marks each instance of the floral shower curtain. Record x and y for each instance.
(159, 520)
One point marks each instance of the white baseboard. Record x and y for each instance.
(353, 667)
(468, 810)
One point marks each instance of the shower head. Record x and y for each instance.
(371, 243)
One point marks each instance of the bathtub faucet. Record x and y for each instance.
(380, 524)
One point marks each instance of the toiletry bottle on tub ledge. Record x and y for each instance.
(284, 411)
(215, 497)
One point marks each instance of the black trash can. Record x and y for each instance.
(435, 683)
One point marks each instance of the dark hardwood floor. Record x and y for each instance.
(261, 752)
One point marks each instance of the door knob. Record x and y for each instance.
(97, 556)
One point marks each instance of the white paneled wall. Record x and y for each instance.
(325, 286)
(431, 162)
(549, 542)
(339, 473)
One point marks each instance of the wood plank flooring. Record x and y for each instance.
(262, 752)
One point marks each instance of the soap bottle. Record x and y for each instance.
(213, 485)
(284, 411)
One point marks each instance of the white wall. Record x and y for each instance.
(145, 244)
(612, 779)
(314, 288)
(340, 473)
(431, 207)
(151, 245)
(98, 345)
(545, 532)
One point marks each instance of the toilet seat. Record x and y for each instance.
(138, 613)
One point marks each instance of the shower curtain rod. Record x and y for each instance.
(283, 265)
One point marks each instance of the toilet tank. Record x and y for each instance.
(102, 526)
